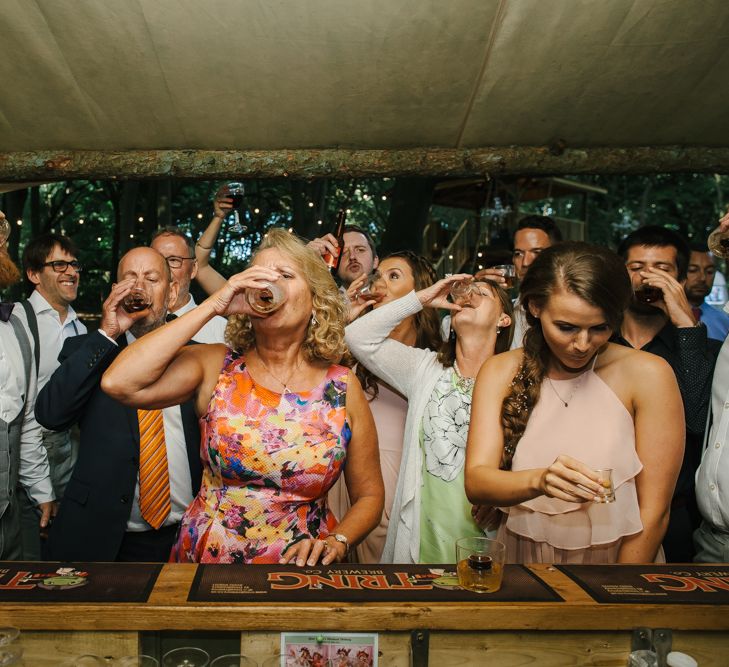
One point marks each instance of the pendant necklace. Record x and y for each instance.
(566, 401)
(285, 385)
(464, 384)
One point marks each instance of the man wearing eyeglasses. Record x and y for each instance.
(52, 271)
(178, 249)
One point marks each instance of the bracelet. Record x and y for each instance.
(204, 247)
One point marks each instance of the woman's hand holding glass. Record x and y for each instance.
(436, 296)
(570, 480)
(231, 298)
(310, 552)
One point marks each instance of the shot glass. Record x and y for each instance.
(509, 273)
(463, 291)
(137, 300)
(369, 290)
(648, 294)
(718, 243)
(267, 299)
(608, 494)
(480, 564)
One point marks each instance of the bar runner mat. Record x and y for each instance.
(653, 584)
(346, 582)
(76, 582)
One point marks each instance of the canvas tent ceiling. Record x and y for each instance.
(393, 74)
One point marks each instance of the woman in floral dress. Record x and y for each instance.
(279, 417)
(430, 510)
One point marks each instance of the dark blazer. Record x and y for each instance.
(93, 514)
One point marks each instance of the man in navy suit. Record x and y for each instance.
(100, 518)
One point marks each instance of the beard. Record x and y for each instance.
(9, 272)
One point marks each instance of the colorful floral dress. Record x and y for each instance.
(269, 460)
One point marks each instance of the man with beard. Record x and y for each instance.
(359, 255)
(137, 470)
(21, 448)
(659, 320)
(534, 233)
(699, 281)
(52, 268)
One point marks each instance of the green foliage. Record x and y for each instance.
(105, 218)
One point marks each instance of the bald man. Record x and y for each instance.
(102, 517)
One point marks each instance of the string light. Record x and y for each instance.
(318, 222)
(80, 221)
(291, 230)
(199, 216)
(311, 204)
(450, 256)
(98, 238)
(256, 210)
(131, 236)
(141, 218)
(480, 254)
(349, 210)
(384, 197)
(480, 266)
(19, 223)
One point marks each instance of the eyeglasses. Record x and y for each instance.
(61, 265)
(176, 262)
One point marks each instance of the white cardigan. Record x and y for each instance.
(414, 373)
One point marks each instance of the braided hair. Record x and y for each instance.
(592, 273)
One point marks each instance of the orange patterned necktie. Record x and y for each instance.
(154, 477)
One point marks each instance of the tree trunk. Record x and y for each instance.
(127, 219)
(409, 209)
(338, 163)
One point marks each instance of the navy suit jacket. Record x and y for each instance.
(95, 508)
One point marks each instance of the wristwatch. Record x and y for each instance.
(343, 539)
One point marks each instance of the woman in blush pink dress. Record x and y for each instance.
(544, 418)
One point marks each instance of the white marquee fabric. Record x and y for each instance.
(268, 74)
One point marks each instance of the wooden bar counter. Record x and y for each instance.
(577, 631)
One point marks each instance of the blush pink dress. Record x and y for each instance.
(596, 429)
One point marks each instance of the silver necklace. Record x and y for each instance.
(464, 384)
(576, 386)
(285, 385)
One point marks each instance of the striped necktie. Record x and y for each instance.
(154, 477)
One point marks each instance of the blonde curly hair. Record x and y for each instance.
(324, 340)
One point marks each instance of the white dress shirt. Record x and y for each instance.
(712, 477)
(177, 466)
(211, 332)
(51, 333)
(34, 472)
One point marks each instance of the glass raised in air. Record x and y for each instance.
(267, 299)
(137, 300)
(368, 291)
(509, 273)
(236, 191)
(718, 243)
(480, 564)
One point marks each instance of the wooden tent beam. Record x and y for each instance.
(341, 163)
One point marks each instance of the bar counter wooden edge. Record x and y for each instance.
(578, 631)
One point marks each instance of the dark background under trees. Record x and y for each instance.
(107, 218)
